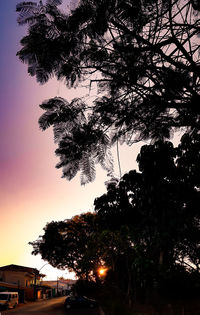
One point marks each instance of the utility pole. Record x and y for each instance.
(34, 288)
(35, 280)
(57, 284)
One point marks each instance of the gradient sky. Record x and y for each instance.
(32, 192)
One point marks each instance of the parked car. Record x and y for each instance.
(79, 301)
(9, 299)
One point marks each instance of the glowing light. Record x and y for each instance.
(102, 271)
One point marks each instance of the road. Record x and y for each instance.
(49, 307)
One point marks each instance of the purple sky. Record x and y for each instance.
(32, 192)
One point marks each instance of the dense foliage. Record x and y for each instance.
(144, 58)
(70, 244)
(145, 229)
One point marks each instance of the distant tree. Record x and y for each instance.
(82, 245)
(70, 244)
(144, 58)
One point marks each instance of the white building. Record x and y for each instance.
(61, 286)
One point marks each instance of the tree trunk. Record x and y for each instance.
(161, 257)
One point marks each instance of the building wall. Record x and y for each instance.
(16, 277)
(29, 294)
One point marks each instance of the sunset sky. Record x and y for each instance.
(32, 191)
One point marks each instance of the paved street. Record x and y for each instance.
(49, 307)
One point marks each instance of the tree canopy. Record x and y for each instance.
(160, 203)
(70, 244)
(145, 227)
(142, 55)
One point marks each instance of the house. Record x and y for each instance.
(20, 275)
(60, 286)
(25, 280)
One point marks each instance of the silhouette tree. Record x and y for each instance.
(142, 55)
(70, 244)
(188, 164)
(146, 227)
(160, 207)
(72, 131)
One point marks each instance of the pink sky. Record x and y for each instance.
(32, 192)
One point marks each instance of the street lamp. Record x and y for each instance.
(43, 266)
(35, 280)
(102, 271)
